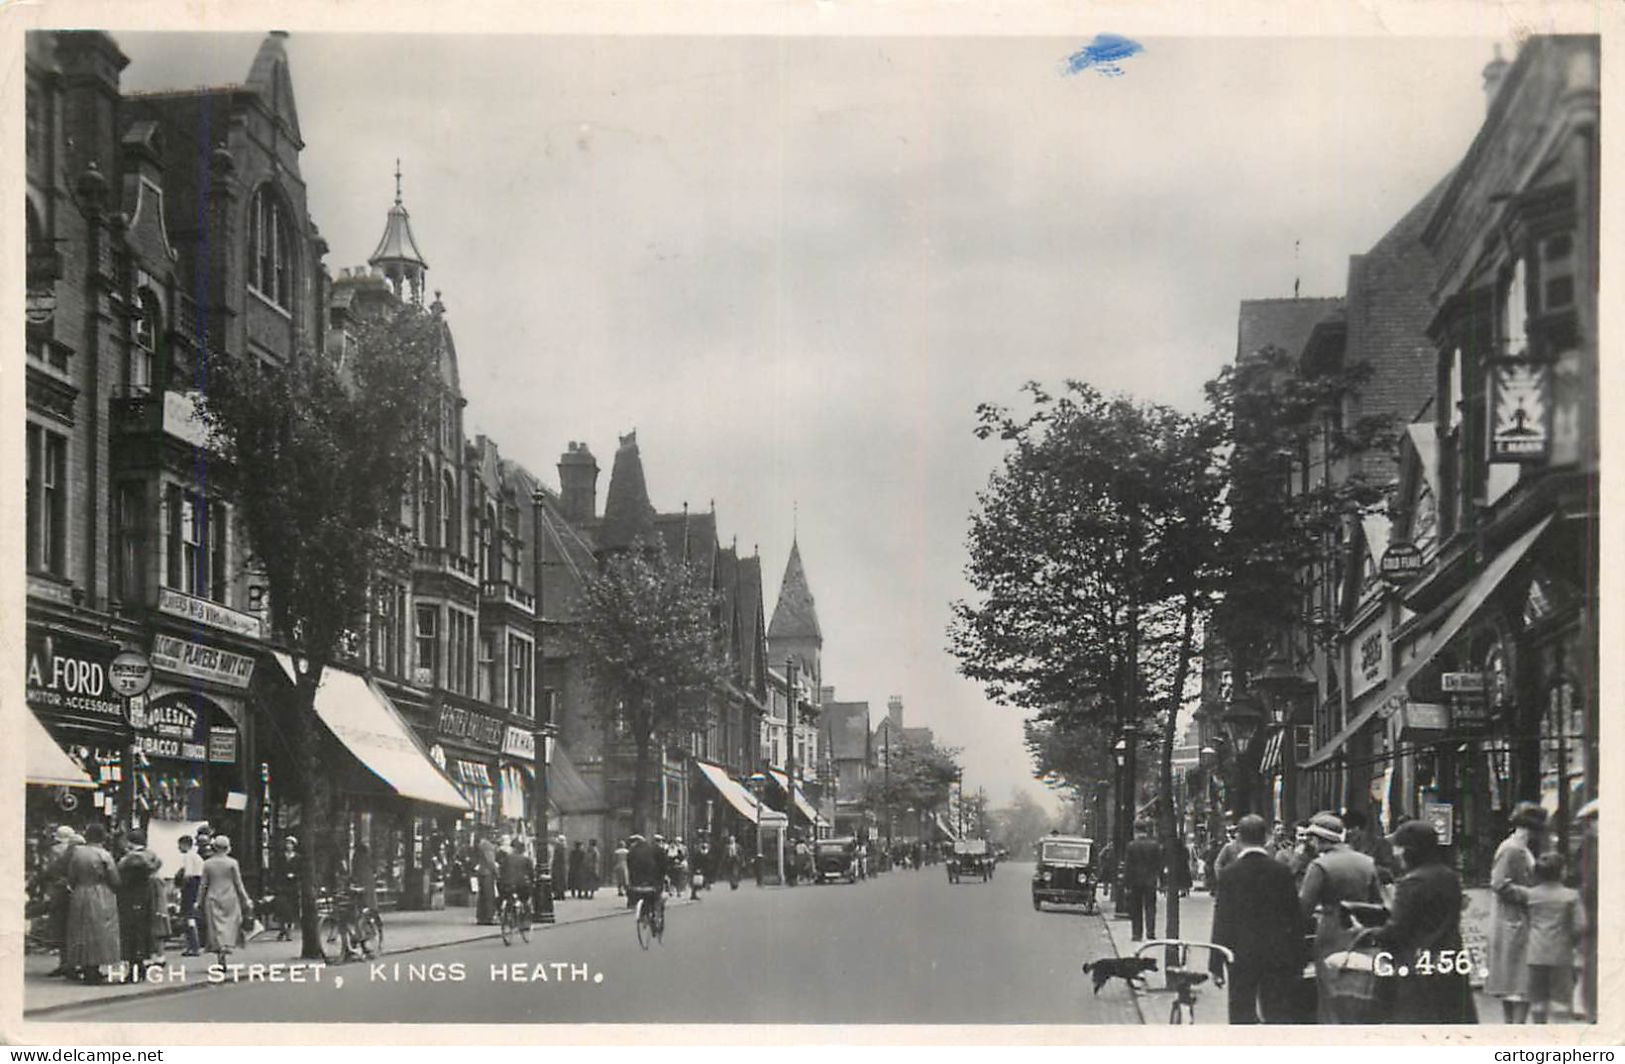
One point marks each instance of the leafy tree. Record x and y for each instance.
(318, 457)
(1093, 555)
(920, 776)
(643, 626)
(1284, 418)
(1015, 826)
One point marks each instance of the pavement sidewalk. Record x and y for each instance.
(404, 932)
(1196, 921)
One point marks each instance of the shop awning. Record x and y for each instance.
(361, 717)
(568, 789)
(735, 794)
(802, 805)
(1482, 587)
(44, 761)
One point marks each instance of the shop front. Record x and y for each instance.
(391, 806)
(190, 770)
(71, 699)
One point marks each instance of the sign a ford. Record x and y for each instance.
(67, 676)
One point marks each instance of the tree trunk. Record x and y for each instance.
(313, 821)
(1174, 874)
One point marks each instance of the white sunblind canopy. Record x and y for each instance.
(802, 804)
(735, 794)
(43, 760)
(362, 718)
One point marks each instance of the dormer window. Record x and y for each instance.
(270, 250)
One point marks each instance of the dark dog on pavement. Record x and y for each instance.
(1129, 969)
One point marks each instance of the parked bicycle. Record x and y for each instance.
(1182, 978)
(347, 927)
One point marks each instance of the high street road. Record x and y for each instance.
(904, 948)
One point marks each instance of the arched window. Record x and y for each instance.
(145, 332)
(448, 515)
(492, 548)
(270, 249)
(428, 519)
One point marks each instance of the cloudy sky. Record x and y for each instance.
(796, 266)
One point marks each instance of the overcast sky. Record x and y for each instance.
(796, 266)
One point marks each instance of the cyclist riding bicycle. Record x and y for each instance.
(646, 875)
(515, 871)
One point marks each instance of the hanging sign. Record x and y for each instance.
(1520, 410)
(517, 742)
(1400, 562)
(1461, 682)
(1442, 815)
(130, 673)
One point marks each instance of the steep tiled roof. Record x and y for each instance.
(1283, 323)
(628, 517)
(794, 617)
(1389, 307)
(846, 729)
(751, 625)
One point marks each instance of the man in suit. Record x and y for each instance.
(1142, 872)
(1256, 915)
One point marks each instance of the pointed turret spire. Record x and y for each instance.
(397, 254)
(629, 519)
(795, 616)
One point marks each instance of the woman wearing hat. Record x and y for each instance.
(92, 928)
(1340, 873)
(1514, 867)
(1425, 919)
(139, 892)
(225, 901)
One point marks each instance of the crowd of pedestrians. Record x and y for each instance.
(109, 906)
(1380, 920)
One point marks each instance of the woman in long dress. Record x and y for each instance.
(92, 928)
(225, 901)
(137, 873)
(1514, 868)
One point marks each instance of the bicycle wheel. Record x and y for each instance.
(506, 921)
(1176, 1014)
(524, 922)
(331, 933)
(641, 920)
(372, 933)
(657, 923)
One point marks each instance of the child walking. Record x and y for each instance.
(1557, 926)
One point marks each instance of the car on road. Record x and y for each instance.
(1066, 872)
(970, 859)
(835, 859)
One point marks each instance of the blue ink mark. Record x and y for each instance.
(1102, 55)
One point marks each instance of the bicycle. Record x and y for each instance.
(514, 915)
(1181, 978)
(348, 927)
(650, 917)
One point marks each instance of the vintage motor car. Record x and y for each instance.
(836, 859)
(1066, 872)
(970, 859)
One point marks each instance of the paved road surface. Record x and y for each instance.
(907, 947)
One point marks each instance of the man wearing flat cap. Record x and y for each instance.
(1338, 874)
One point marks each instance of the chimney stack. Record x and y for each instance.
(1495, 72)
(894, 712)
(578, 484)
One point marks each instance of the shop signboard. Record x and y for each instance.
(1370, 649)
(1400, 562)
(67, 677)
(1469, 713)
(130, 673)
(201, 662)
(1456, 683)
(470, 727)
(223, 746)
(173, 728)
(517, 742)
(1442, 815)
(212, 614)
(1520, 410)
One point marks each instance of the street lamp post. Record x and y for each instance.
(1242, 721)
(757, 780)
(1119, 835)
(1281, 684)
(543, 896)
